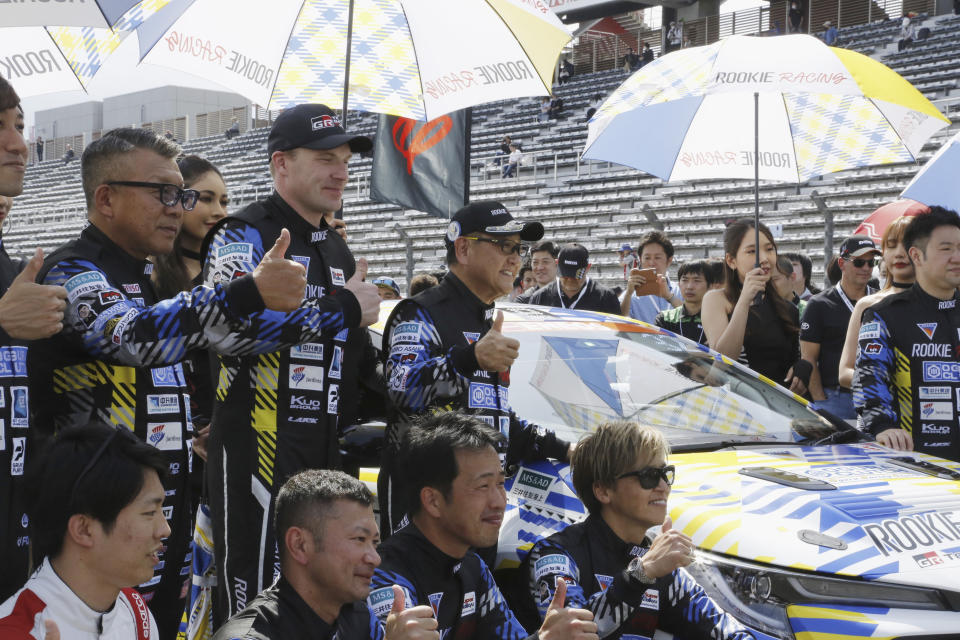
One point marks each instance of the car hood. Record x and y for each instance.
(843, 509)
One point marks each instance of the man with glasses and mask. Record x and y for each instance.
(117, 359)
(823, 326)
(444, 347)
(633, 586)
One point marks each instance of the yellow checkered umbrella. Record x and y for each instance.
(414, 58)
(786, 109)
(39, 60)
(92, 13)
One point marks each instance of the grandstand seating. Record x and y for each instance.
(598, 204)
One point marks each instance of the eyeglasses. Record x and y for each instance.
(93, 461)
(859, 263)
(170, 194)
(650, 477)
(506, 246)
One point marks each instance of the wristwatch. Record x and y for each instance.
(635, 569)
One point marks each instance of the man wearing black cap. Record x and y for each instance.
(573, 289)
(277, 413)
(444, 348)
(823, 326)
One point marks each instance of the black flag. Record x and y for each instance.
(423, 165)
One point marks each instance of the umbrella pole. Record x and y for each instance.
(756, 177)
(346, 68)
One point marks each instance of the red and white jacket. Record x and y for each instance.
(46, 597)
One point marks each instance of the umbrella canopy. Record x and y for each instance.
(691, 114)
(414, 58)
(40, 60)
(936, 183)
(877, 222)
(88, 13)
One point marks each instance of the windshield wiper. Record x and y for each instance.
(723, 444)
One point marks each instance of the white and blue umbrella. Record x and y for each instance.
(936, 183)
(86, 13)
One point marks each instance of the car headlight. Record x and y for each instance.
(758, 595)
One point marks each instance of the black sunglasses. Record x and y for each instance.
(169, 194)
(860, 262)
(93, 461)
(650, 477)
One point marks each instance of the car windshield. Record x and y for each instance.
(573, 375)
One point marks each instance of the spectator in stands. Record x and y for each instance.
(39, 144)
(628, 258)
(98, 530)
(566, 71)
(68, 155)
(795, 18)
(695, 281)
(233, 129)
(900, 276)
(574, 289)
(674, 36)
(327, 537)
(504, 151)
(509, 169)
(543, 261)
(656, 252)
(803, 272)
(824, 323)
(421, 282)
(169, 136)
(544, 112)
(387, 288)
(760, 331)
(607, 564)
(594, 105)
(907, 33)
(830, 33)
(631, 61)
(646, 54)
(28, 311)
(716, 273)
(457, 501)
(556, 107)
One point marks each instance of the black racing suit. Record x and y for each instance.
(15, 436)
(593, 560)
(908, 370)
(276, 410)
(428, 341)
(466, 601)
(279, 613)
(117, 361)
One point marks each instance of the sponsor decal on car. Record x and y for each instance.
(531, 485)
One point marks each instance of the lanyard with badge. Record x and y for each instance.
(846, 300)
(573, 305)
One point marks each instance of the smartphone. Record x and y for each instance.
(651, 287)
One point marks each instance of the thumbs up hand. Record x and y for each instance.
(31, 311)
(495, 351)
(563, 623)
(417, 623)
(366, 294)
(281, 282)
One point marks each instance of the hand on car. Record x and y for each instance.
(898, 439)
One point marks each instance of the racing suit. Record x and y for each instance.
(908, 370)
(279, 613)
(464, 597)
(46, 597)
(429, 345)
(117, 361)
(593, 560)
(274, 413)
(14, 437)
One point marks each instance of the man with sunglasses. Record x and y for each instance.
(117, 360)
(444, 346)
(98, 526)
(823, 326)
(609, 565)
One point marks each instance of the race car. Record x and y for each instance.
(806, 528)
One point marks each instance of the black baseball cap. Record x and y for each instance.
(312, 126)
(490, 217)
(857, 245)
(573, 260)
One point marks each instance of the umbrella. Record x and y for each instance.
(95, 13)
(877, 222)
(797, 106)
(418, 59)
(936, 183)
(39, 60)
